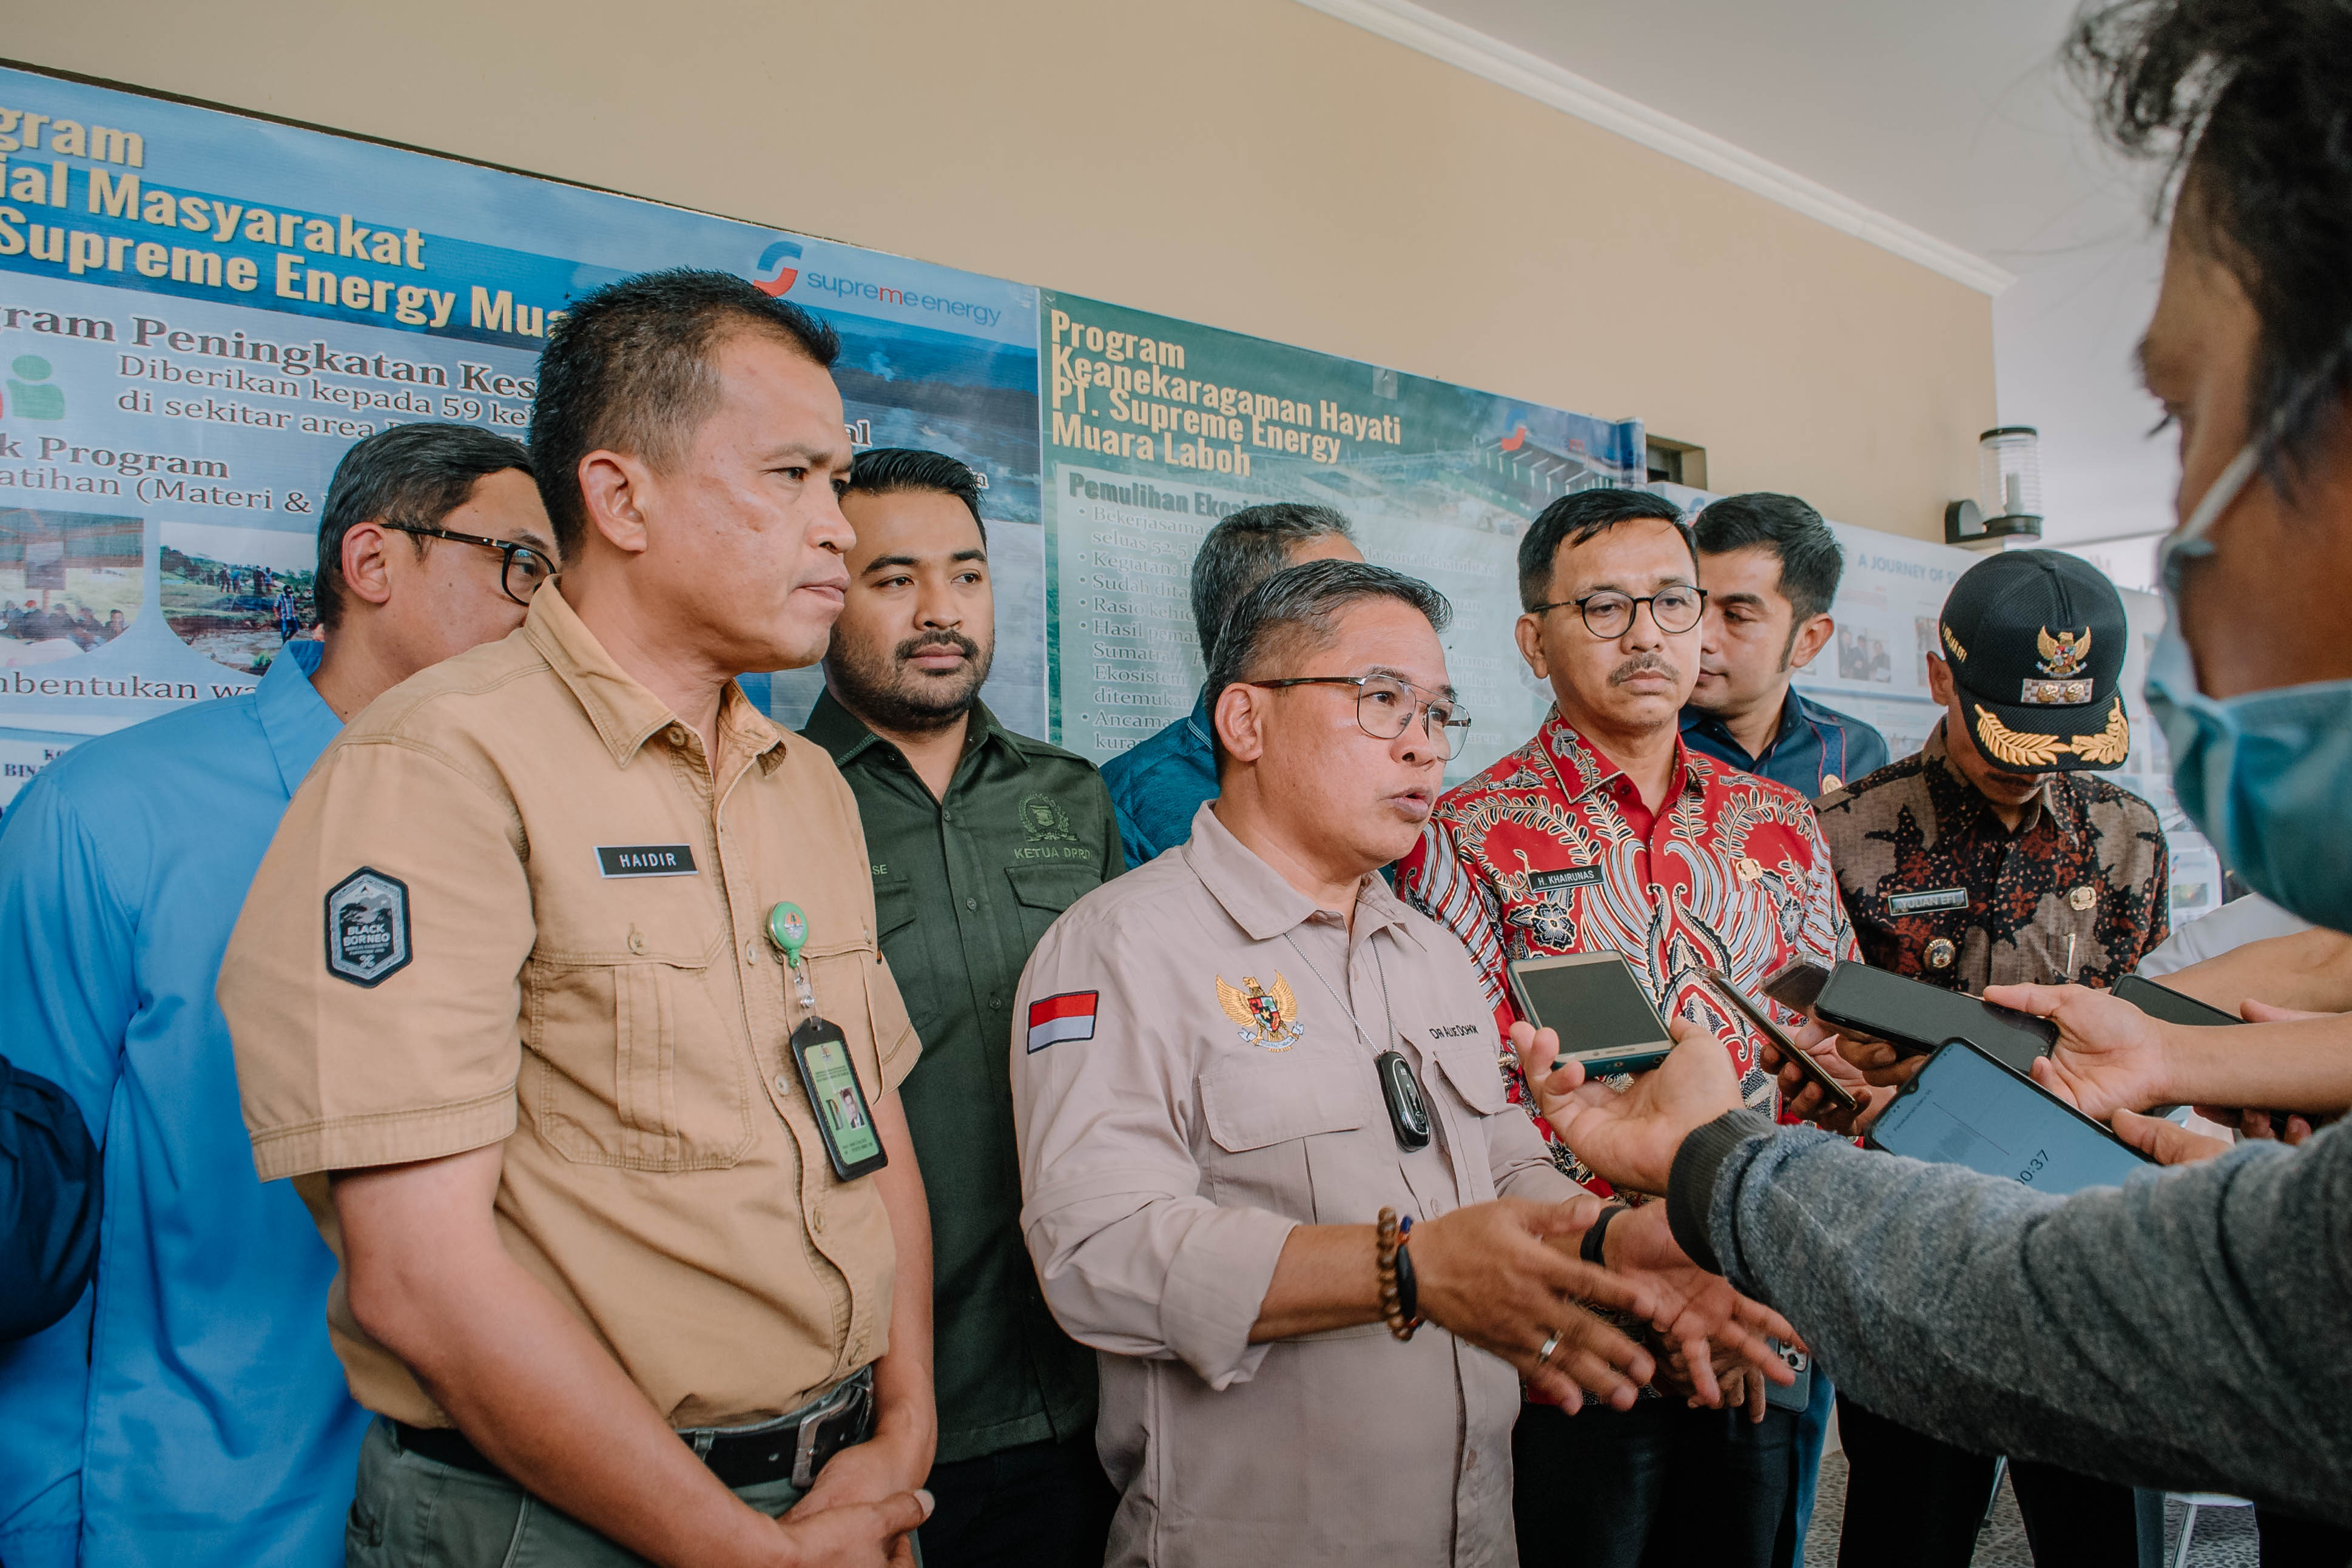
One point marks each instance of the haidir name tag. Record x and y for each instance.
(645, 860)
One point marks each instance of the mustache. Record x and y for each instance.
(937, 642)
(1642, 663)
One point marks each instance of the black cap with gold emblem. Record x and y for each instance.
(2035, 640)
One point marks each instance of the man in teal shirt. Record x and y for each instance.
(978, 838)
(188, 1410)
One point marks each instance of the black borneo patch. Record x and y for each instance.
(367, 927)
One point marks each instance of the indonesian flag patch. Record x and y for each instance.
(1070, 1016)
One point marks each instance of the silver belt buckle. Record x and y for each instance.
(844, 1398)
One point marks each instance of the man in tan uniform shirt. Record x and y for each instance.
(1205, 1140)
(533, 1074)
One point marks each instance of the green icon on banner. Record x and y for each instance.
(788, 929)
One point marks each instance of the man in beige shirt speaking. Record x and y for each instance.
(602, 1172)
(1228, 1063)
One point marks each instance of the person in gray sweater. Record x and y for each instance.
(2193, 1327)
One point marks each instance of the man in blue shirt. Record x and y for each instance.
(1770, 568)
(1157, 787)
(188, 1409)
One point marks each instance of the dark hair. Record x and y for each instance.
(1307, 598)
(409, 474)
(1810, 561)
(888, 470)
(629, 369)
(1574, 519)
(2244, 103)
(1244, 550)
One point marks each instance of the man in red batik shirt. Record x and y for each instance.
(1604, 832)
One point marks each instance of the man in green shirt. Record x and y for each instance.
(978, 838)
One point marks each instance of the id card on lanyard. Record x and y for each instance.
(820, 1054)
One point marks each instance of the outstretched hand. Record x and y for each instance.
(2109, 1056)
(1504, 1276)
(1698, 1312)
(1630, 1138)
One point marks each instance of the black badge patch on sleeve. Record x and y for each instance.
(367, 927)
(645, 860)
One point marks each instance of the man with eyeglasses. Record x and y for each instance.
(1605, 833)
(1241, 1073)
(190, 1410)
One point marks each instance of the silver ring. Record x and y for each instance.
(1543, 1356)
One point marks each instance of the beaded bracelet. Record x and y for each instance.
(1399, 1292)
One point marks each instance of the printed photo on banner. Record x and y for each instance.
(70, 584)
(238, 595)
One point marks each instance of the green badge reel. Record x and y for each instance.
(821, 1055)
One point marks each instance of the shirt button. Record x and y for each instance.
(751, 951)
(995, 1002)
(816, 1222)
(677, 735)
(636, 942)
(972, 903)
(947, 816)
(783, 1084)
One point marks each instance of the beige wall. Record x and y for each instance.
(1248, 163)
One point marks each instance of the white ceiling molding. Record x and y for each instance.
(1532, 76)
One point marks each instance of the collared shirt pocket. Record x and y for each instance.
(1475, 1084)
(893, 906)
(633, 1063)
(1041, 892)
(1286, 1132)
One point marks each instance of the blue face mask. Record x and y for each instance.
(2266, 775)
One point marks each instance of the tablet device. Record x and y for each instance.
(1720, 983)
(1965, 1108)
(1914, 1017)
(1605, 1019)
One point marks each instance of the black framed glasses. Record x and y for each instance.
(1609, 613)
(524, 569)
(1385, 706)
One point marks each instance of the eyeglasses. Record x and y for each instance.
(1385, 706)
(1609, 613)
(519, 574)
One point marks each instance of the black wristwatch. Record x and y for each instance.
(1590, 1247)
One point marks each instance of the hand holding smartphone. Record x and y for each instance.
(1786, 1049)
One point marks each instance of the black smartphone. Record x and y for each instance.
(1916, 1017)
(2164, 1002)
(1967, 1107)
(1796, 984)
(843, 1117)
(1720, 983)
(1605, 1019)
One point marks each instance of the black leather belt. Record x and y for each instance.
(791, 1447)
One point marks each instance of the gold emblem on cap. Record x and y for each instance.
(2064, 652)
(2111, 745)
(2014, 747)
(2083, 897)
(2018, 749)
(1954, 644)
(1941, 953)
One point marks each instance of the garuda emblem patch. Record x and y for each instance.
(1268, 1019)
